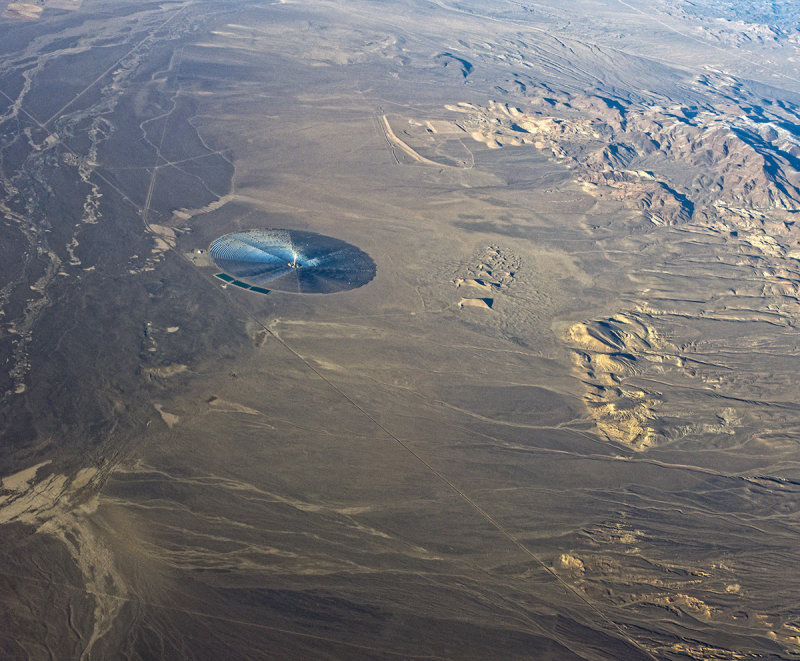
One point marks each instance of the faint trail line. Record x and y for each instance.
(151, 187)
(59, 141)
(218, 618)
(391, 137)
(462, 494)
(436, 473)
(114, 66)
(165, 164)
(382, 128)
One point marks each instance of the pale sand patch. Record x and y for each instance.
(82, 478)
(186, 214)
(686, 604)
(353, 510)
(480, 303)
(27, 503)
(570, 562)
(170, 419)
(474, 283)
(704, 652)
(165, 238)
(166, 371)
(47, 505)
(20, 481)
(607, 352)
(224, 406)
(327, 365)
(23, 10)
(589, 337)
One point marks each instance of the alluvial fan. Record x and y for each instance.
(292, 261)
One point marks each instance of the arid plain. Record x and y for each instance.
(561, 422)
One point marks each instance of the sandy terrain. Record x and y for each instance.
(560, 423)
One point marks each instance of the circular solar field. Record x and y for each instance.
(291, 261)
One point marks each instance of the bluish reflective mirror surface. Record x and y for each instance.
(292, 261)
